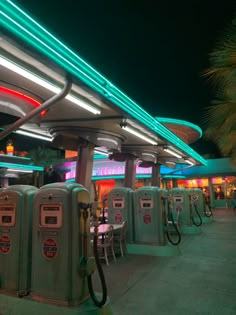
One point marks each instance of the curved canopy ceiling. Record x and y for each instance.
(35, 59)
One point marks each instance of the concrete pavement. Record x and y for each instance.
(201, 281)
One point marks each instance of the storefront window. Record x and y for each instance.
(224, 187)
(194, 183)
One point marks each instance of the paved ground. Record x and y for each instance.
(200, 281)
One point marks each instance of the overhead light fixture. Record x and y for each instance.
(189, 162)
(33, 135)
(138, 134)
(14, 170)
(172, 153)
(169, 162)
(47, 85)
(101, 152)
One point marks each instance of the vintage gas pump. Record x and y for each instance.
(197, 206)
(61, 266)
(120, 208)
(149, 211)
(181, 206)
(16, 207)
(171, 226)
(182, 210)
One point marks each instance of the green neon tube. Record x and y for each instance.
(21, 24)
(22, 166)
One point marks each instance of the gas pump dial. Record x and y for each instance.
(7, 215)
(51, 215)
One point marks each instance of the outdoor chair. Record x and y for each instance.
(106, 243)
(120, 238)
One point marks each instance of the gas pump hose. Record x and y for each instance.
(198, 214)
(101, 275)
(175, 227)
(98, 303)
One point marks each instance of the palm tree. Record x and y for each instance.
(43, 156)
(220, 117)
(47, 158)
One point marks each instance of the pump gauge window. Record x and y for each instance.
(51, 216)
(7, 215)
(118, 203)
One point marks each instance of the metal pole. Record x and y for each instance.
(56, 98)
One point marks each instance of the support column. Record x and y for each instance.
(156, 178)
(4, 182)
(130, 172)
(212, 194)
(84, 166)
(174, 182)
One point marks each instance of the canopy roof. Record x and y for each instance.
(37, 62)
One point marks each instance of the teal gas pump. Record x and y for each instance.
(61, 265)
(172, 226)
(181, 206)
(182, 211)
(197, 205)
(16, 207)
(149, 216)
(151, 224)
(120, 208)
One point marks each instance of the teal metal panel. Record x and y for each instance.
(57, 244)
(149, 216)
(16, 207)
(121, 208)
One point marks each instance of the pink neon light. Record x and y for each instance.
(109, 170)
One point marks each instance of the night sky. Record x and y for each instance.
(155, 51)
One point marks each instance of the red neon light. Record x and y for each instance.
(23, 97)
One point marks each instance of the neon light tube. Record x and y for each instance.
(139, 135)
(33, 135)
(21, 166)
(172, 153)
(21, 24)
(47, 85)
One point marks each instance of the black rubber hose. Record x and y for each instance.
(177, 231)
(198, 214)
(101, 275)
(175, 227)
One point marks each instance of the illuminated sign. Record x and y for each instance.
(107, 168)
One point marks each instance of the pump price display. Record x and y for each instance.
(7, 215)
(51, 215)
(50, 248)
(178, 199)
(118, 203)
(146, 203)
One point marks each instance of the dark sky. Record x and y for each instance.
(155, 51)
